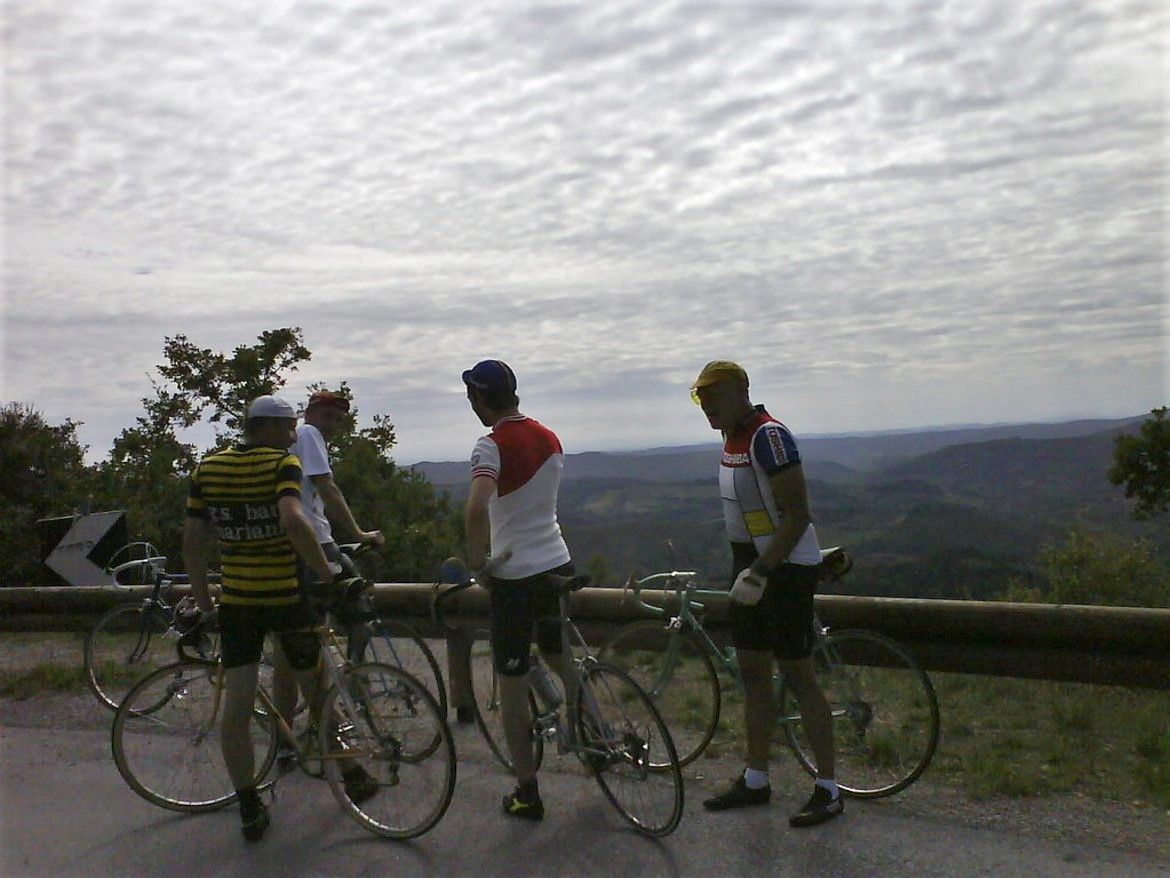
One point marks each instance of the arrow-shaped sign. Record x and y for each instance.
(70, 558)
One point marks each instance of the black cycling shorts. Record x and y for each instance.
(782, 622)
(518, 605)
(242, 629)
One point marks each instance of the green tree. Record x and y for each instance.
(1142, 464)
(42, 474)
(148, 465)
(1097, 569)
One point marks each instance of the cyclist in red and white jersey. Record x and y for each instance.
(775, 556)
(512, 510)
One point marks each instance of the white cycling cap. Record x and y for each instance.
(271, 407)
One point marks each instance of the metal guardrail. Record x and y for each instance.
(1119, 646)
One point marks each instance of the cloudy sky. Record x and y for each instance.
(893, 214)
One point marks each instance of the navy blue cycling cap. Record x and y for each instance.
(491, 376)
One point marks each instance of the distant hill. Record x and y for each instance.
(943, 513)
(832, 457)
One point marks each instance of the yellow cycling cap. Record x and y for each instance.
(720, 370)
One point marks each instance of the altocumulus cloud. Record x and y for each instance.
(894, 214)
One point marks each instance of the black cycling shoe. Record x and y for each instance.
(524, 802)
(738, 795)
(254, 818)
(820, 807)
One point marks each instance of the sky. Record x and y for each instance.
(893, 214)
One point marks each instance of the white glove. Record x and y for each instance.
(748, 588)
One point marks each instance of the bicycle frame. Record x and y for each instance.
(687, 620)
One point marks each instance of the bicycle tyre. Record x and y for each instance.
(673, 668)
(485, 692)
(394, 642)
(885, 714)
(621, 746)
(166, 739)
(394, 719)
(123, 646)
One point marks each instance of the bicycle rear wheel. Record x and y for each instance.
(623, 741)
(123, 646)
(885, 714)
(394, 642)
(387, 722)
(489, 715)
(166, 739)
(675, 671)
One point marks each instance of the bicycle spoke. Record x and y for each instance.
(124, 646)
(672, 668)
(885, 714)
(623, 738)
(166, 740)
(387, 727)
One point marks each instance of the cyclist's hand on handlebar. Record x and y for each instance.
(748, 587)
(372, 536)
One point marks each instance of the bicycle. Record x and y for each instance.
(610, 724)
(132, 639)
(166, 740)
(369, 637)
(884, 708)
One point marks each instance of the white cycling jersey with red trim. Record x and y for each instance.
(525, 460)
(758, 449)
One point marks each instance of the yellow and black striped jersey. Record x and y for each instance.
(237, 491)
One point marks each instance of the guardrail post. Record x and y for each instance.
(458, 674)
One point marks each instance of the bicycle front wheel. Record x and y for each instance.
(166, 739)
(884, 709)
(393, 642)
(489, 712)
(125, 645)
(625, 743)
(675, 671)
(385, 722)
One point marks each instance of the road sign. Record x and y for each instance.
(81, 553)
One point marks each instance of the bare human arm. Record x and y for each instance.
(303, 537)
(196, 532)
(791, 497)
(338, 511)
(478, 520)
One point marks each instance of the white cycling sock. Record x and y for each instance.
(755, 780)
(830, 785)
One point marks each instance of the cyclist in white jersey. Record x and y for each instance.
(775, 556)
(323, 501)
(512, 509)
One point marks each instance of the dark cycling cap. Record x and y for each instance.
(328, 399)
(491, 376)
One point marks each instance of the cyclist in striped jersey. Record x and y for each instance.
(249, 498)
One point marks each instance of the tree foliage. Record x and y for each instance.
(1142, 465)
(42, 474)
(1097, 569)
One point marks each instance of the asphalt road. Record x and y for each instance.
(66, 812)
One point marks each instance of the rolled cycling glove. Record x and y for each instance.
(748, 587)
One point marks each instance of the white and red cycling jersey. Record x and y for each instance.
(758, 449)
(525, 460)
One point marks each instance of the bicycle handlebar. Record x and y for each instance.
(155, 564)
(680, 581)
(470, 579)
